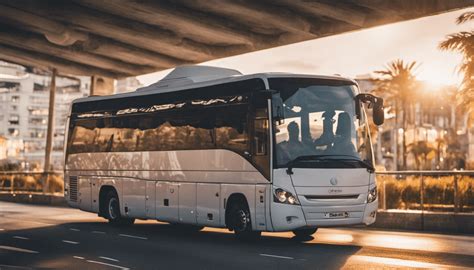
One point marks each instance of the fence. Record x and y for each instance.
(19, 181)
(437, 191)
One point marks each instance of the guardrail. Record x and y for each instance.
(26, 181)
(438, 191)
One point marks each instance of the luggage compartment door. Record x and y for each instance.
(208, 208)
(187, 203)
(167, 201)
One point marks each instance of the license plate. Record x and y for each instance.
(336, 215)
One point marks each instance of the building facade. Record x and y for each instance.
(24, 102)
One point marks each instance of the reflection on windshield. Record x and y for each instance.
(320, 120)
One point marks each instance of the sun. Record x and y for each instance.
(438, 77)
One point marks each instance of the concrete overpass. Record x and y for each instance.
(124, 38)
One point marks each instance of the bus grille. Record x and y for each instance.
(331, 197)
(73, 188)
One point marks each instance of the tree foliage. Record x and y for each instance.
(463, 43)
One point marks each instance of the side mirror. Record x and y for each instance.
(378, 116)
(375, 103)
(277, 107)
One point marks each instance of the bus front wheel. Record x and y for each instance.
(240, 222)
(112, 212)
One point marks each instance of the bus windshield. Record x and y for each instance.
(320, 124)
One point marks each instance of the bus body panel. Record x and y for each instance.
(187, 203)
(208, 204)
(167, 201)
(133, 197)
(150, 199)
(222, 166)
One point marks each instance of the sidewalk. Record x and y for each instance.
(33, 198)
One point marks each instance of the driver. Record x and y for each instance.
(293, 148)
(342, 142)
(327, 138)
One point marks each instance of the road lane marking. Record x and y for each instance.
(78, 257)
(73, 229)
(401, 262)
(276, 256)
(21, 237)
(99, 232)
(70, 242)
(133, 236)
(109, 259)
(108, 264)
(18, 249)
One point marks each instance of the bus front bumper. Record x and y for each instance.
(290, 217)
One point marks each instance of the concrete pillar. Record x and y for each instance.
(101, 86)
(50, 132)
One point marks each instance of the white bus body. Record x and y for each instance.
(203, 147)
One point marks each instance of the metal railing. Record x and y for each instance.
(437, 191)
(27, 181)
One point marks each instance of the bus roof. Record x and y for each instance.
(189, 77)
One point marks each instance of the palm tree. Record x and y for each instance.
(397, 84)
(463, 42)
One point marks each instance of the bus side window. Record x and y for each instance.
(260, 141)
(260, 137)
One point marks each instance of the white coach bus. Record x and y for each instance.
(209, 146)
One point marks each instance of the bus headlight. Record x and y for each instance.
(372, 196)
(283, 196)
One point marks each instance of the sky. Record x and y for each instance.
(358, 53)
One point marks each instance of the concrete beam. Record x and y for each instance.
(29, 58)
(263, 21)
(336, 12)
(55, 32)
(182, 23)
(38, 44)
(131, 32)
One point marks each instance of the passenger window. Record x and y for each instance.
(231, 128)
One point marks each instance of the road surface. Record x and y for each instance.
(34, 236)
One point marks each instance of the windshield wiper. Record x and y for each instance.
(291, 163)
(326, 158)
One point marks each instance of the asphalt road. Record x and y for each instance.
(52, 237)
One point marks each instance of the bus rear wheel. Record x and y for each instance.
(112, 211)
(304, 232)
(241, 223)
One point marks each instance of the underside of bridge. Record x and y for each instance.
(123, 38)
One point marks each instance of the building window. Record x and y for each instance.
(13, 132)
(15, 99)
(14, 119)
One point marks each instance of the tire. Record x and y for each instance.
(112, 210)
(240, 222)
(304, 233)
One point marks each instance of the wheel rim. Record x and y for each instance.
(113, 203)
(241, 221)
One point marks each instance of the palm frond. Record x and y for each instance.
(461, 42)
(465, 17)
